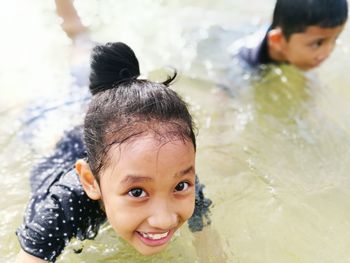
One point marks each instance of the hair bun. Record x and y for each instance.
(112, 63)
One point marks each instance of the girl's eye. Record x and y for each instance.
(181, 186)
(137, 192)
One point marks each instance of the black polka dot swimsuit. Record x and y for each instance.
(59, 209)
(56, 214)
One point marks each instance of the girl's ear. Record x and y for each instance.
(88, 180)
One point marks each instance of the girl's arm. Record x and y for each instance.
(24, 257)
(72, 24)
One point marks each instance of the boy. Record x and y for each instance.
(303, 33)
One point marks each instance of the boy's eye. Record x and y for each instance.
(137, 192)
(181, 186)
(318, 43)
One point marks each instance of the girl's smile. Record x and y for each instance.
(149, 191)
(155, 239)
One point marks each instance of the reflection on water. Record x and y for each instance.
(283, 179)
(273, 150)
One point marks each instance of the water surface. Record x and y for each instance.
(273, 152)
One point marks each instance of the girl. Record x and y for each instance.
(139, 170)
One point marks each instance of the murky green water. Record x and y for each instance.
(275, 157)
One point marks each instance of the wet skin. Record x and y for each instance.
(148, 190)
(308, 49)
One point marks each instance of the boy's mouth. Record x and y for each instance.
(155, 239)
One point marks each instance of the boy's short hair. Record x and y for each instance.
(294, 16)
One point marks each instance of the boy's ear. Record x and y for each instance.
(275, 38)
(88, 180)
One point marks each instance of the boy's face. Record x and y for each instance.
(309, 49)
(148, 191)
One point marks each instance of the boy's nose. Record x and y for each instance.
(163, 217)
(326, 51)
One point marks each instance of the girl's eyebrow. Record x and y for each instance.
(185, 171)
(133, 178)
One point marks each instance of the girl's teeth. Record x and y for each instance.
(154, 236)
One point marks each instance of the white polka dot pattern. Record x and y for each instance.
(53, 217)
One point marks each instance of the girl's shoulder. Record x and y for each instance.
(57, 214)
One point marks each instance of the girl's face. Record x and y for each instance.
(148, 190)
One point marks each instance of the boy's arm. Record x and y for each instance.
(24, 257)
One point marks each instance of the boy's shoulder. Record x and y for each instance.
(252, 49)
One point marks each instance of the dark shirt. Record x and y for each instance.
(258, 54)
(59, 209)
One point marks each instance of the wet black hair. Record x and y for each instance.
(294, 16)
(124, 107)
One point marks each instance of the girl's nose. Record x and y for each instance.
(163, 216)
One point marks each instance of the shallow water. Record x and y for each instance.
(273, 152)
